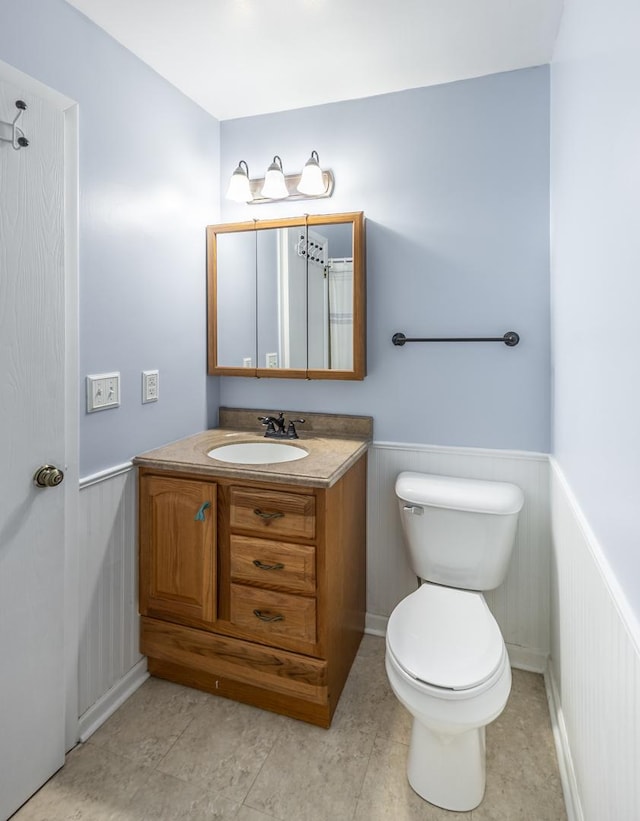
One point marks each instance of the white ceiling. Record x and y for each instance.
(242, 57)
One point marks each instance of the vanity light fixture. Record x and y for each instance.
(311, 180)
(275, 187)
(312, 183)
(239, 189)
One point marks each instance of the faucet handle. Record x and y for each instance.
(291, 430)
(268, 422)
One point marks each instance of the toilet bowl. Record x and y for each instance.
(447, 664)
(445, 657)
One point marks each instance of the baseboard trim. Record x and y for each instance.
(115, 697)
(375, 625)
(524, 658)
(563, 750)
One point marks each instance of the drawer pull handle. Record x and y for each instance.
(263, 566)
(268, 517)
(268, 616)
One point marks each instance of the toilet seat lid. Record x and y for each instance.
(445, 637)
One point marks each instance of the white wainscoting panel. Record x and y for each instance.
(594, 670)
(521, 604)
(109, 621)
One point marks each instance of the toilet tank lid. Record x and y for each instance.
(472, 495)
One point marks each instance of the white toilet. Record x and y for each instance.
(445, 656)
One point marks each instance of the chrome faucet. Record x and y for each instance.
(277, 428)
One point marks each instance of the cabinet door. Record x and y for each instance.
(178, 549)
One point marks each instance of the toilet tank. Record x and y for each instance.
(459, 532)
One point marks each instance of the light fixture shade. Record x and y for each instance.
(312, 179)
(239, 189)
(275, 187)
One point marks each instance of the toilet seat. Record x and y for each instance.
(446, 638)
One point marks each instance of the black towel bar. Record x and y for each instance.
(511, 338)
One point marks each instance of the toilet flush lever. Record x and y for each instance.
(416, 510)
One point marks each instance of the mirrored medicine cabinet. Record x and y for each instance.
(286, 298)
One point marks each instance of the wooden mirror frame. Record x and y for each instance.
(359, 298)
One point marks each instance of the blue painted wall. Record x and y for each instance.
(454, 182)
(148, 186)
(595, 180)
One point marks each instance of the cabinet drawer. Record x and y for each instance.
(280, 617)
(273, 513)
(275, 564)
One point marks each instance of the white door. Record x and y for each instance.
(32, 433)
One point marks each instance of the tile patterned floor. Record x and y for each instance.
(174, 753)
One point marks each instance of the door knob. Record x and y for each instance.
(48, 476)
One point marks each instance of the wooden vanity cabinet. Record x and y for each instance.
(263, 603)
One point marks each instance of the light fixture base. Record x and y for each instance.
(291, 181)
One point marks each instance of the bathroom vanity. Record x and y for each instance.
(252, 576)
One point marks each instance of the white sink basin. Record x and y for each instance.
(257, 453)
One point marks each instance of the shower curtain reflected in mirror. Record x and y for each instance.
(340, 313)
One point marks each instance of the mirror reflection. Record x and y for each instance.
(287, 298)
(236, 288)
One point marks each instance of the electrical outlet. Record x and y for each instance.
(150, 386)
(271, 360)
(103, 391)
(247, 362)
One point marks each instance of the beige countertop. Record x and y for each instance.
(329, 457)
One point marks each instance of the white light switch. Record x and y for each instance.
(103, 391)
(150, 386)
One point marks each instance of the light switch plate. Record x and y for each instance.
(103, 391)
(271, 360)
(150, 386)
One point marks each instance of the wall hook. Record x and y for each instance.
(17, 138)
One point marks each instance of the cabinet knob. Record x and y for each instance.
(268, 616)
